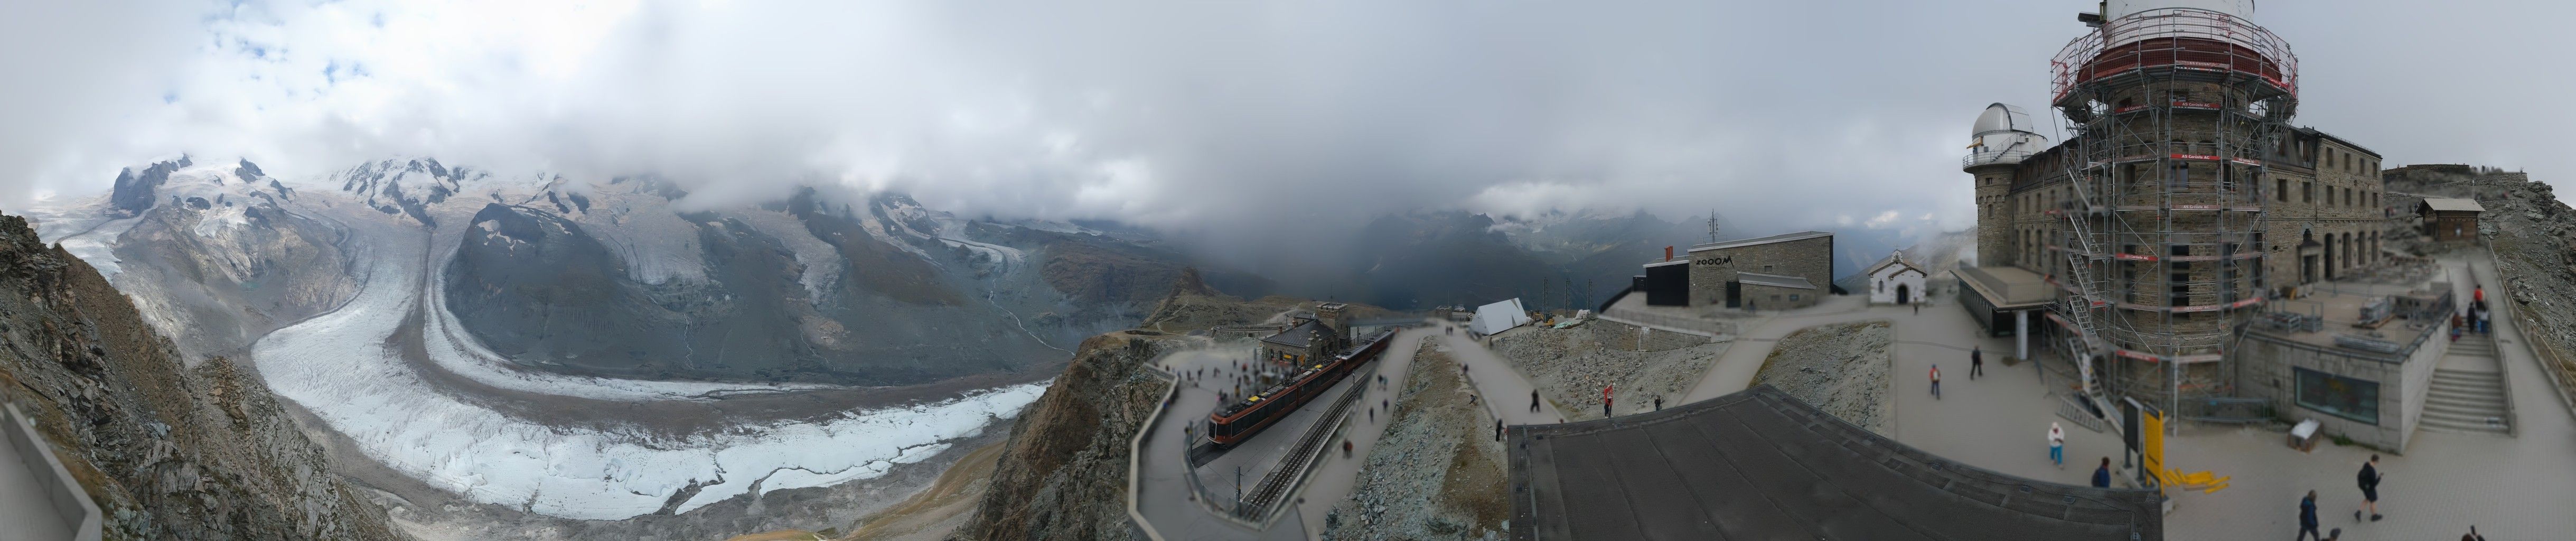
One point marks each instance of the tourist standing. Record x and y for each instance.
(1659, 402)
(2307, 516)
(1936, 382)
(1976, 362)
(1533, 400)
(2369, 481)
(1605, 401)
(2102, 476)
(2057, 445)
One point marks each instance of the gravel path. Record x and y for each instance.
(1570, 367)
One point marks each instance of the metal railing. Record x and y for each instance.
(2076, 63)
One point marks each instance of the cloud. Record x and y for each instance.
(1223, 118)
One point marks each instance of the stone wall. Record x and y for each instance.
(2403, 382)
(1812, 259)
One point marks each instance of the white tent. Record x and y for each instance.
(1500, 316)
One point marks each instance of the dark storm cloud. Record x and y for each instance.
(1225, 118)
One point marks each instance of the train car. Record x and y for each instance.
(1238, 421)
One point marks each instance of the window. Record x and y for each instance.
(2307, 192)
(2339, 396)
(1766, 269)
(1793, 297)
(2284, 192)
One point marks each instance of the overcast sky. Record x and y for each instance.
(1200, 115)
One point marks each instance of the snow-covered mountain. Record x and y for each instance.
(588, 350)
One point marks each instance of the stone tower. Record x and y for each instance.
(2157, 230)
(2002, 138)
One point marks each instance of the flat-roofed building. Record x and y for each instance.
(1777, 272)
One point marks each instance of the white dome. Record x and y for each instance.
(2003, 134)
(2002, 118)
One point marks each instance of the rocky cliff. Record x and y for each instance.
(1063, 475)
(1437, 473)
(168, 451)
(2532, 233)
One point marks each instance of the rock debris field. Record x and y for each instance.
(1570, 368)
(1839, 368)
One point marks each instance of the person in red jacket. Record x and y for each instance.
(1605, 401)
(1936, 382)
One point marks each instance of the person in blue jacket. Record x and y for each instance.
(2308, 517)
(2102, 475)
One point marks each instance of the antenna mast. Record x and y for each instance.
(1712, 226)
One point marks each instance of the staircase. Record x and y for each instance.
(2464, 398)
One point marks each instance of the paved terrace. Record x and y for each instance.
(2510, 487)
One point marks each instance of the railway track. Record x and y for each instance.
(1265, 497)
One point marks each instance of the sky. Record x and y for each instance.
(1242, 118)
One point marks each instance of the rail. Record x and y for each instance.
(2157, 37)
(2552, 361)
(1274, 487)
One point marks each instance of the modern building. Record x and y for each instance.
(2181, 202)
(2449, 220)
(1777, 272)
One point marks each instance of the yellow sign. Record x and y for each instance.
(2151, 441)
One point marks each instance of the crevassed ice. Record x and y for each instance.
(338, 365)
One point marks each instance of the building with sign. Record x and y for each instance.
(1777, 272)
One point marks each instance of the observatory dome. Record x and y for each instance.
(2003, 134)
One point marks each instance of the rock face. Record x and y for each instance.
(1437, 473)
(1063, 476)
(168, 451)
(137, 190)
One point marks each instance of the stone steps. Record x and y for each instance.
(2466, 401)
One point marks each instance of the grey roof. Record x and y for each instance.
(1773, 280)
(2008, 287)
(1675, 261)
(1300, 336)
(2339, 140)
(2445, 204)
(1803, 235)
(1760, 464)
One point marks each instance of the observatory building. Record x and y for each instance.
(2181, 202)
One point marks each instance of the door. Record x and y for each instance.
(1902, 297)
(1734, 294)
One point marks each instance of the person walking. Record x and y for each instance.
(1605, 401)
(1659, 402)
(2057, 444)
(1533, 400)
(2308, 518)
(1498, 430)
(1936, 382)
(2369, 480)
(1976, 362)
(2102, 475)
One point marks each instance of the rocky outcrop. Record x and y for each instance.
(1063, 475)
(167, 451)
(137, 190)
(1437, 473)
(1841, 369)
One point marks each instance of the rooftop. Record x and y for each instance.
(2446, 204)
(1300, 336)
(1804, 235)
(2008, 287)
(1759, 464)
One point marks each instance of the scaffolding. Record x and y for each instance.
(2169, 113)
